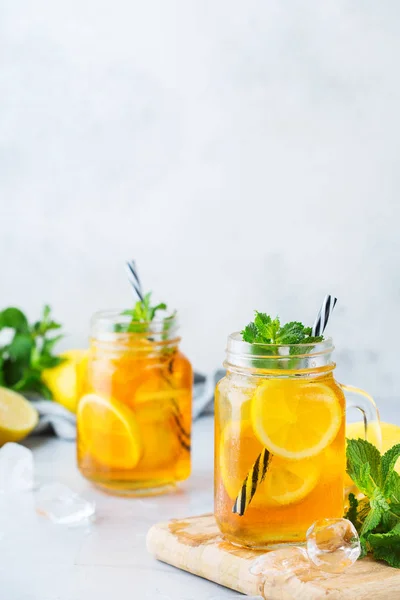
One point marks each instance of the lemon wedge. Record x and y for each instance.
(295, 420)
(17, 416)
(109, 431)
(65, 381)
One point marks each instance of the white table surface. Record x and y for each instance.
(108, 559)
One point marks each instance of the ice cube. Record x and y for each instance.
(289, 559)
(16, 468)
(63, 506)
(333, 545)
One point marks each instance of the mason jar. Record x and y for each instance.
(280, 451)
(134, 418)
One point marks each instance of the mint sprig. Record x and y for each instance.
(265, 330)
(29, 351)
(142, 314)
(377, 515)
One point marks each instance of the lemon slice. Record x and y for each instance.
(108, 430)
(238, 449)
(17, 416)
(286, 482)
(295, 420)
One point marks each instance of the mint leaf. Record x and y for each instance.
(373, 519)
(14, 318)
(20, 348)
(388, 462)
(152, 311)
(392, 487)
(386, 546)
(261, 321)
(249, 333)
(364, 465)
(292, 333)
(271, 330)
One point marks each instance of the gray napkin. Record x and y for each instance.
(56, 419)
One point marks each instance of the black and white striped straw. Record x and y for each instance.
(323, 316)
(134, 278)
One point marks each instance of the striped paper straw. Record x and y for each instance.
(134, 278)
(259, 469)
(254, 477)
(324, 315)
(182, 434)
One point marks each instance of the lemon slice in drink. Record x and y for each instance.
(238, 449)
(295, 420)
(286, 482)
(109, 431)
(17, 416)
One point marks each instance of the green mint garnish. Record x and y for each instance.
(377, 516)
(142, 314)
(265, 330)
(29, 352)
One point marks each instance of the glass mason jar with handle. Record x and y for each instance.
(280, 450)
(134, 418)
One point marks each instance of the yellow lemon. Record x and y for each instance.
(17, 416)
(286, 482)
(295, 420)
(109, 431)
(65, 381)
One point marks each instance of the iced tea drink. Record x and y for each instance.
(134, 419)
(279, 441)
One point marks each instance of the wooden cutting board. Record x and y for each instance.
(195, 545)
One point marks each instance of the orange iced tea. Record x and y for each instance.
(279, 443)
(134, 420)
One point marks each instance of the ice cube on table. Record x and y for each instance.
(63, 506)
(290, 559)
(16, 468)
(333, 545)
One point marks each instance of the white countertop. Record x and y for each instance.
(108, 559)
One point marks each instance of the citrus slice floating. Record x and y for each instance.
(161, 447)
(295, 420)
(17, 416)
(286, 482)
(238, 449)
(109, 431)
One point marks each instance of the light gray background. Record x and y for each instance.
(245, 153)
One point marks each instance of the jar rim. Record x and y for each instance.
(110, 323)
(243, 354)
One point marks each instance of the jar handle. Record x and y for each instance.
(366, 405)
